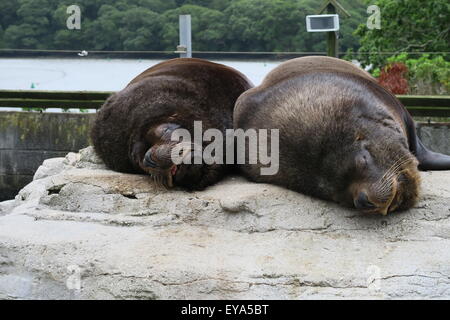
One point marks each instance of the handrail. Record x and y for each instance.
(434, 106)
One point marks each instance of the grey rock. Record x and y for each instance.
(80, 231)
(49, 167)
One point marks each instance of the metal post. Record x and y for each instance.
(185, 47)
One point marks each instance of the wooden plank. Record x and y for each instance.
(438, 106)
(55, 95)
(428, 112)
(44, 103)
(425, 101)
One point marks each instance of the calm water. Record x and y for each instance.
(95, 74)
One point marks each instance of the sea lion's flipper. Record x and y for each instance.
(429, 160)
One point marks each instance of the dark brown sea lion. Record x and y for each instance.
(132, 131)
(342, 137)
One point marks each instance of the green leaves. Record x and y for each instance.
(217, 25)
(412, 25)
(426, 75)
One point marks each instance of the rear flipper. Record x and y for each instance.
(429, 160)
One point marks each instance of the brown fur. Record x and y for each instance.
(341, 134)
(177, 92)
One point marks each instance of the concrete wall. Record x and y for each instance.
(436, 136)
(28, 138)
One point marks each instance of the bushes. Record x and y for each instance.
(392, 77)
(425, 76)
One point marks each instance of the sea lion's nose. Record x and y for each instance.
(158, 156)
(362, 201)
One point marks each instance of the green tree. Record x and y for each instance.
(8, 14)
(406, 26)
(266, 25)
(140, 29)
(217, 25)
(34, 31)
(208, 28)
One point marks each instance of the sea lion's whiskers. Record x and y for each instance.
(384, 184)
(394, 165)
(392, 171)
(394, 168)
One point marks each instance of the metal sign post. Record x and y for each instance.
(332, 37)
(333, 7)
(185, 46)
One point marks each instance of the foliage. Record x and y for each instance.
(406, 26)
(426, 75)
(217, 25)
(392, 77)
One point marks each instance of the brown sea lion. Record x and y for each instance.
(132, 131)
(342, 137)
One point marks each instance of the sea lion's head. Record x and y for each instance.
(156, 158)
(378, 171)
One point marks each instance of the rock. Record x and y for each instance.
(80, 231)
(49, 167)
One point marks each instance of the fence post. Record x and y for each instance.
(185, 47)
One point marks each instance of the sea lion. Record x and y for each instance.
(342, 137)
(132, 131)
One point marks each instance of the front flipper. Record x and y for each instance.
(136, 154)
(429, 160)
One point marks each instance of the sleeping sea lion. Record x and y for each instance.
(132, 131)
(342, 137)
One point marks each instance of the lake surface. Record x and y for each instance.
(83, 73)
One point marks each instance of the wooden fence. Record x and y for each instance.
(421, 106)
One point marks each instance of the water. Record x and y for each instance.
(95, 74)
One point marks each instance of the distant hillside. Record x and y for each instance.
(217, 25)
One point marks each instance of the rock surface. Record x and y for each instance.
(80, 231)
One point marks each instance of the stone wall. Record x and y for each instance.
(435, 136)
(28, 138)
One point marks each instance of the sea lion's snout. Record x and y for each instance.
(395, 189)
(158, 164)
(362, 202)
(158, 157)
